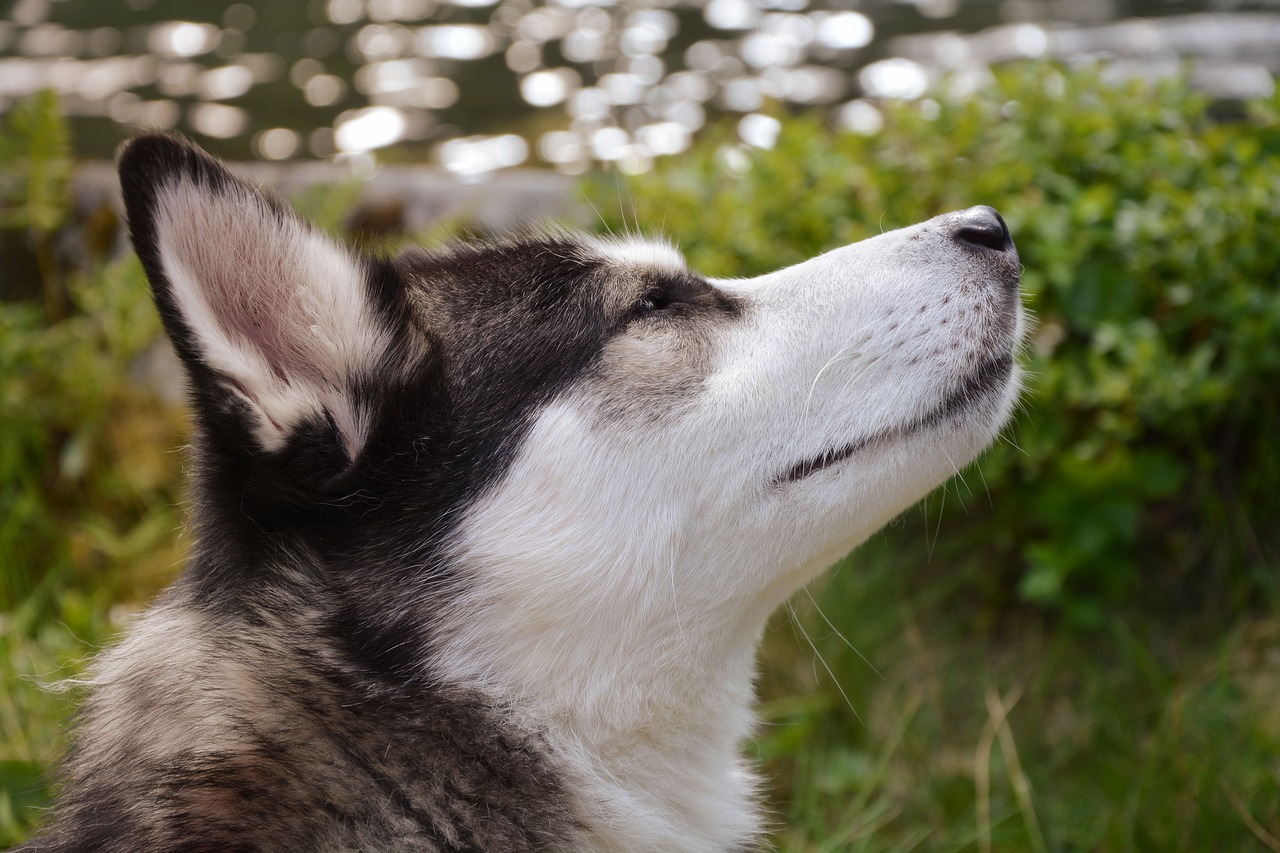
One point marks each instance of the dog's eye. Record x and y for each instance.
(651, 302)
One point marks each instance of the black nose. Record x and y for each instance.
(983, 226)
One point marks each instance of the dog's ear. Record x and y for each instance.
(274, 320)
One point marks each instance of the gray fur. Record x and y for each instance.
(212, 731)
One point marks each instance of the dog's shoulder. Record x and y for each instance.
(271, 739)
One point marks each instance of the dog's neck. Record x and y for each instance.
(675, 782)
(648, 722)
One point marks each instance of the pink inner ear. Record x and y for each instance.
(275, 306)
(252, 304)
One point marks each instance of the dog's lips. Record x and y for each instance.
(991, 376)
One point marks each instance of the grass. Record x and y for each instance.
(1146, 736)
(110, 563)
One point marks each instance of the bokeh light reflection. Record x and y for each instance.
(618, 81)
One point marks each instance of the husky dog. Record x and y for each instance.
(484, 539)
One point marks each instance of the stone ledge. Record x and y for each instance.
(419, 195)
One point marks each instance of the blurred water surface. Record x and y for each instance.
(479, 85)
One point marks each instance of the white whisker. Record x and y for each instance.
(795, 620)
(842, 637)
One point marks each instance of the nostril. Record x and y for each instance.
(983, 226)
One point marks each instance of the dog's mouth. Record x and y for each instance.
(991, 376)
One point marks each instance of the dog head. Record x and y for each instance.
(567, 471)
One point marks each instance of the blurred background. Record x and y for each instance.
(477, 85)
(1073, 645)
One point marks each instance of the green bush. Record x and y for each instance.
(85, 466)
(88, 476)
(1144, 463)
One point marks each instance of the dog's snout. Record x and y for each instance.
(982, 226)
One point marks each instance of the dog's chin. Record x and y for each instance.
(970, 404)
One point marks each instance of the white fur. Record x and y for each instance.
(236, 265)
(654, 255)
(620, 574)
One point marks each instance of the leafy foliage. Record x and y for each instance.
(88, 479)
(34, 166)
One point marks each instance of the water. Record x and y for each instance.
(479, 85)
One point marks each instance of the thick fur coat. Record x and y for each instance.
(485, 538)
